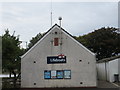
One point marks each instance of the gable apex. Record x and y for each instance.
(52, 28)
(65, 32)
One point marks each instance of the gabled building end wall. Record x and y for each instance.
(80, 61)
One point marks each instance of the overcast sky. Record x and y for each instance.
(29, 18)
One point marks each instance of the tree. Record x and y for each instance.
(35, 39)
(105, 42)
(11, 53)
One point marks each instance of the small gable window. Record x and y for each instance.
(56, 41)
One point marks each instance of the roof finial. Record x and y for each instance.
(60, 18)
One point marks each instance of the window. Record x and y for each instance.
(47, 74)
(67, 74)
(56, 41)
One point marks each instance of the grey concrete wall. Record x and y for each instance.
(84, 71)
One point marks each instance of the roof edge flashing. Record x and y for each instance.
(54, 26)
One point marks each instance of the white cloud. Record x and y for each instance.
(28, 19)
(59, 0)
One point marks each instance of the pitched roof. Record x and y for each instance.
(63, 31)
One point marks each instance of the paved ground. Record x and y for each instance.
(104, 84)
(118, 83)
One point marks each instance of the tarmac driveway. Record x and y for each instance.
(105, 84)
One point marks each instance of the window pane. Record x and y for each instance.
(56, 42)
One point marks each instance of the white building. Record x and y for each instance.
(107, 68)
(58, 60)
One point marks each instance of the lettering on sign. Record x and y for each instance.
(56, 59)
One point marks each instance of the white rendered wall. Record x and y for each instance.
(84, 71)
(113, 69)
(107, 71)
(101, 71)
